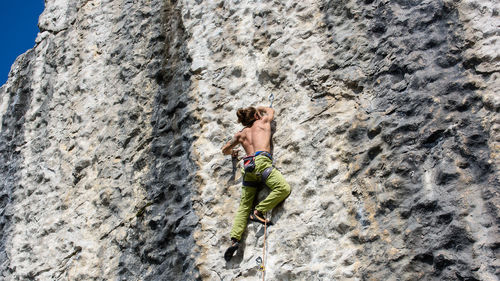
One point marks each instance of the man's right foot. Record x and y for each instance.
(230, 251)
(257, 216)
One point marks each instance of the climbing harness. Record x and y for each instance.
(271, 99)
(249, 166)
(249, 163)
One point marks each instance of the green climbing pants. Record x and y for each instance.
(279, 191)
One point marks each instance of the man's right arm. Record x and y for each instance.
(228, 147)
(268, 115)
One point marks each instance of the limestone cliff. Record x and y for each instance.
(387, 130)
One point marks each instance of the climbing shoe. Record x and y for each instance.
(257, 216)
(230, 251)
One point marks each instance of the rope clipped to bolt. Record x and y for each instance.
(261, 261)
(264, 248)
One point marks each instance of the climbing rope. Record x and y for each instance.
(264, 246)
(262, 261)
(262, 267)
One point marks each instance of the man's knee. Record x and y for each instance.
(283, 190)
(287, 190)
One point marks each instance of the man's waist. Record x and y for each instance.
(263, 153)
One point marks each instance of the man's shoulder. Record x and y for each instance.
(262, 122)
(241, 133)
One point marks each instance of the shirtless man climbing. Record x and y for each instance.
(256, 140)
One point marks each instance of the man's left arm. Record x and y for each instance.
(268, 113)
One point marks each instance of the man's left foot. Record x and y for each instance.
(230, 251)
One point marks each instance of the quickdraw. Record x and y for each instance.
(260, 264)
(271, 99)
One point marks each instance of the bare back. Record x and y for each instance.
(256, 138)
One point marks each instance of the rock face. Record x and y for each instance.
(386, 128)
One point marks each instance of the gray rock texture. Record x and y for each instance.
(387, 129)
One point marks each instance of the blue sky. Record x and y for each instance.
(18, 28)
